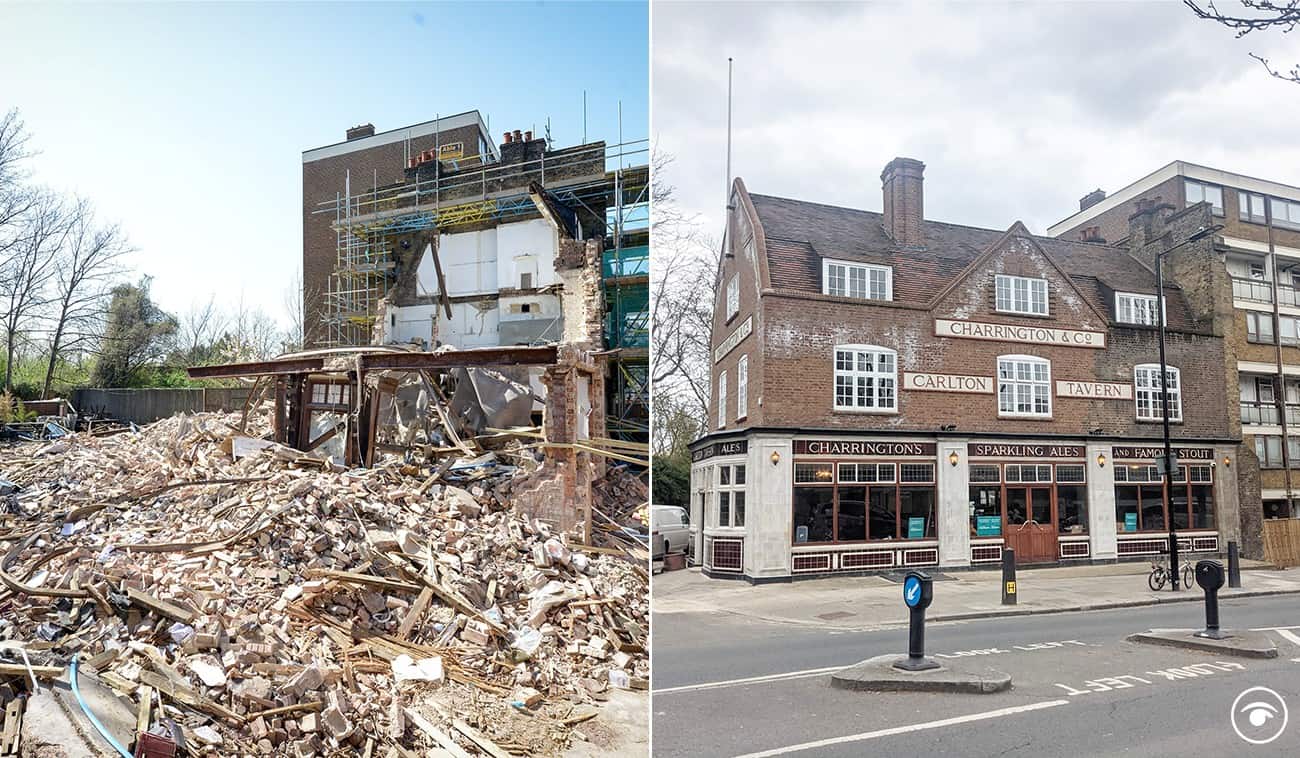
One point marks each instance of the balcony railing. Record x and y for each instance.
(1254, 290)
(1265, 414)
(1261, 291)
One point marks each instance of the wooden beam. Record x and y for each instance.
(257, 368)
(468, 358)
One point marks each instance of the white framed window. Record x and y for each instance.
(1286, 213)
(1197, 192)
(860, 280)
(1256, 270)
(1021, 294)
(1132, 308)
(1250, 207)
(1024, 386)
(866, 378)
(731, 495)
(1146, 383)
(722, 399)
(742, 387)
(733, 296)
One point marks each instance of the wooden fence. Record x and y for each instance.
(147, 405)
(1282, 542)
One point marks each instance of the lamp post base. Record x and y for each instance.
(916, 664)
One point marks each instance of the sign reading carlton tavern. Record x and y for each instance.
(1017, 450)
(948, 383)
(1095, 390)
(1130, 453)
(1037, 335)
(729, 344)
(862, 447)
(738, 447)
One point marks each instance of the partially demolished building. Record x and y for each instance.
(432, 236)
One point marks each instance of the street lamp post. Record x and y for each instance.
(1168, 473)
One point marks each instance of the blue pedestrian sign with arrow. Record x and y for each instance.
(912, 590)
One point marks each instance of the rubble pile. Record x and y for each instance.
(264, 600)
(623, 494)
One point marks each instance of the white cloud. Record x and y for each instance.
(1018, 110)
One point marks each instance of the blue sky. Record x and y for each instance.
(186, 122)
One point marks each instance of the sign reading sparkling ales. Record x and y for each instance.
(729, 344)
(1130, 453)
(863, 447)
(948, 383)
(739, 447)
(998, 450)
(1095, 390)
(1037, 335)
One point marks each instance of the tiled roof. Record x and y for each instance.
(799, 234)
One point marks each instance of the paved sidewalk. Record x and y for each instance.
(857, 603)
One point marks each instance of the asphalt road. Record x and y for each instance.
(1079, 689)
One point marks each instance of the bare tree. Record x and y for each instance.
(295, 310)
(26, 274)
(1257, 15)
(16, 200)
(199, 336)
(86, 266)
(252, 335)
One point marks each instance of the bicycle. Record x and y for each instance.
(1160, 574)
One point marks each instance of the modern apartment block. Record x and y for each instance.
(893, 391)
(1259, 248)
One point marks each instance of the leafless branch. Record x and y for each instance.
(1259, 15)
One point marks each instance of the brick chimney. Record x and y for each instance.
(904, 200)
(357, 132)
(1091, 199)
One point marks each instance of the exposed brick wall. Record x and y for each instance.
(741, 259)
(904, 200)
(802, 331)
(1250, 480)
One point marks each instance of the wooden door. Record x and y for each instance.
(1031, 524)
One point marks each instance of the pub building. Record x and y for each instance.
(891, 392)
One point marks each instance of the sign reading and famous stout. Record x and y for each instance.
(1150, 453)
(744, 330)
(1036, 335)
(948, 383)
(863, 447)
(1095, 390)
(736, 447)
(1018, 450)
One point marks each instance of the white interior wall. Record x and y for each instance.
(526, 246)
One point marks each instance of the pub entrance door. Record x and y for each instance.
(1031, 524)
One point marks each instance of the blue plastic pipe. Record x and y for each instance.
(103, 732)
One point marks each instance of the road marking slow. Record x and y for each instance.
(984, 716)
(748, 680)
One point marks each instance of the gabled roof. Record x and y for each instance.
(800, 234)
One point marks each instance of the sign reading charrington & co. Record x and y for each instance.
(864, 447)
(948, 383)
(735, 338)
(1094, 390)
(737, 447)
(1035, 335)
(1019, 450)
(1131, 453)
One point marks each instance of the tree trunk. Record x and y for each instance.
(54, 356)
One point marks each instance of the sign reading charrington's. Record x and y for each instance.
(744, 330)
(1017, 450)
(863, 447)
(1036, 335)
(1131, 453)
(738, 447)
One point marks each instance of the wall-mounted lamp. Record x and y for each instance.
(776, 457)
(1227, 461)
(953, 457)
(1101, 460)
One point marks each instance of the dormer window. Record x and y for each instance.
(857, 280)
(1021, 294)
(1135, 309)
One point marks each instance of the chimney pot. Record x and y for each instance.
(528, 136)
(508, 138)
(904, 207)
(519, 136)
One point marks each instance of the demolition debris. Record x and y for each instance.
(232, 594)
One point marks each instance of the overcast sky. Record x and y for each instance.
(186, 122)
(1017, 110)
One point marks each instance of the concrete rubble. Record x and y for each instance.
(279, 603)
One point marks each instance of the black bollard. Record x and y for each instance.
(918, 592)
(1209, 574)
(1008, 576)
(1234, 565)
